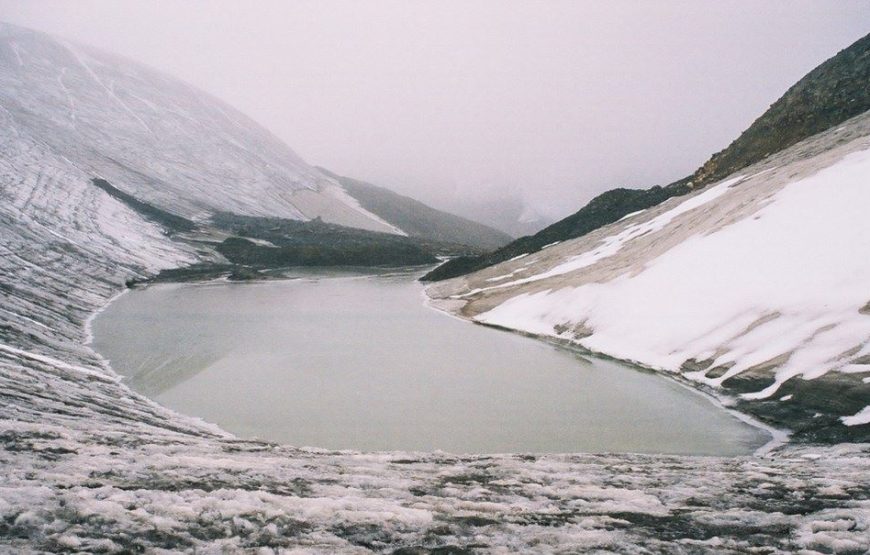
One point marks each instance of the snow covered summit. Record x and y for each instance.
(157, 138)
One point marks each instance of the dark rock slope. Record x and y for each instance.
(419, 220)
(830, 94)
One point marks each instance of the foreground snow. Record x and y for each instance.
(764, 274)
(112, 489)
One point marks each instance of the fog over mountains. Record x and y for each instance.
(538, 107)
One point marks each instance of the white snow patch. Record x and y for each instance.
(788, 282)
(338, 192)
(631, 214)
(609, 246)
(861, 417)
(15, 50)
(51, 361)
(260, 242)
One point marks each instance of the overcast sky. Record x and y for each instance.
(553, 101)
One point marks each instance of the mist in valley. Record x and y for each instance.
(511, 114)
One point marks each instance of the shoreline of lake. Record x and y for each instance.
(314, 278)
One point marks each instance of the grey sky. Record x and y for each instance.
(554, 101)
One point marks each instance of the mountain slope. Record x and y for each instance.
(419, 220)
(157, 138)
(755, 287)
(833, 92)
(604, 209)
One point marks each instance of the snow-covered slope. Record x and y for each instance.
(757, 283)
(157, 138)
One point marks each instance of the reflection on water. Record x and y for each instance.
(358, 362)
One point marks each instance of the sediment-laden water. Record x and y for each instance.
(358, 362)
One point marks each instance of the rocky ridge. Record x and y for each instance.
(830, 94)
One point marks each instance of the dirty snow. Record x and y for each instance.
(788, 281)
(613, 244)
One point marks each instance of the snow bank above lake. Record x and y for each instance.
(790, 281)
(763, 275)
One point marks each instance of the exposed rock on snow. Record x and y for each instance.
(751, 283)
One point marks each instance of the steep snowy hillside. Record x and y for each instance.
(756, 285)
(157, 138)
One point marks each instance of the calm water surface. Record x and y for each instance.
(359, 363)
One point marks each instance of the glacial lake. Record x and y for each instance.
(346, 361)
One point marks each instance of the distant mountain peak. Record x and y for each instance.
(418, 219)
